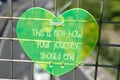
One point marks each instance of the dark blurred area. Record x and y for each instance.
(6, 0)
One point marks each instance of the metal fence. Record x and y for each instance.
(12, 61)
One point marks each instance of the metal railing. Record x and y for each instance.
(57, 12)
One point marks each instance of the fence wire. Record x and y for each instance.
(99, 44)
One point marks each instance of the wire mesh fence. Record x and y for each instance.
(13, 61)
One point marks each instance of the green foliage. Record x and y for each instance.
(115, 10)
(93, 6)
(111, 8)
(110, 55)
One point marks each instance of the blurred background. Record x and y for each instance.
(102, 64)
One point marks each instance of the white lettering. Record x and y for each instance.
(68, 57)
(49, 34)
(42, 44)
(50, 56)
(56, 56)
(59, 33)
(65, 45)
(75, 34)
(37, 33)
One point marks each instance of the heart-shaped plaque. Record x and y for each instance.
(57, 44)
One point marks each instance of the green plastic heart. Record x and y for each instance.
(57, 44)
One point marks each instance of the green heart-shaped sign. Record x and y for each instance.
(57, 44)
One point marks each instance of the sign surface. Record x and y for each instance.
(57, 44)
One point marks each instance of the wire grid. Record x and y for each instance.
(99, 44)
